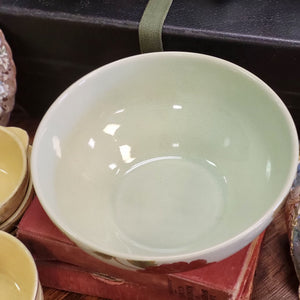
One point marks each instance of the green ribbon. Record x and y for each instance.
(150, 27)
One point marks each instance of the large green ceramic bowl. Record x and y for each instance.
(164, 158)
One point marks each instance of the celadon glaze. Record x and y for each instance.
(165, 157)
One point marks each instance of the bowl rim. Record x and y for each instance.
(236, 242)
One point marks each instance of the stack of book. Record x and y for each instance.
(63, 265)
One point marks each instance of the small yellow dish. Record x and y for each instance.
(9, 224)
(14, 175)
(18, 273)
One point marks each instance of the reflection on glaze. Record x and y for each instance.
(177, 106)
(211, 163)
(125, 151)
(56, 146)
(119, 111)
(147, 161)
(82, 81)
(9, 288)
(225, 179)
(268, 169)
(3, 171)
(17, 287)
(112, 166)
(111, 129)
(92, 143)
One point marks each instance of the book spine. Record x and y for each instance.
(245, 290)
(180, 289)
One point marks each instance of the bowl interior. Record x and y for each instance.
(18, 275)
(12, 165)
(165, 154)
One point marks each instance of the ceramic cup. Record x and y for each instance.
(165, 161)
(14, 175)
(18, 273)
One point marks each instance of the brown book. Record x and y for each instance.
(63, 265)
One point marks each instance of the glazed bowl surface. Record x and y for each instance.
(164, 158)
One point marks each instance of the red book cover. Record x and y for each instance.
(72, 278)
(227, 279)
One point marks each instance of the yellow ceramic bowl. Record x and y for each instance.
(9, 224)
(18, 273)
(14, 175)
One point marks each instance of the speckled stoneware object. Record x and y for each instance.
(8, 83)
(292, 210)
